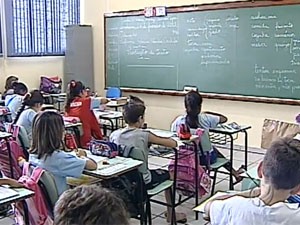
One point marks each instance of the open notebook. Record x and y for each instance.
(200, 208)
(6, 193)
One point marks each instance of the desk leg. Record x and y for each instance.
(246, 150)
(231, 164)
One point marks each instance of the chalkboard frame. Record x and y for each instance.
(203, 7)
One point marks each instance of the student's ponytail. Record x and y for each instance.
(30, 100)
(22, 108)
(75, 88)
(193, 102)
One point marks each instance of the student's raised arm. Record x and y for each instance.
(168, 142)
(223, 119)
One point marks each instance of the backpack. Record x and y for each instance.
(131, 189)
(104, 148)
(51, 85)
(186, 182)
(38, 210)
(9, 165)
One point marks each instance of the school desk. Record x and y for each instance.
(115, 104)
(114, 167)
(22, 194)
(5, 136)
(112, 117)
(221, 134)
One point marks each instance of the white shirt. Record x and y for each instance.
(252, 211)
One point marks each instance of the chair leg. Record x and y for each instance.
(214, 182)
(148, 212)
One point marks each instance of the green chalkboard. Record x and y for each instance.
(249, 51)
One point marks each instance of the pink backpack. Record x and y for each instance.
(38, 210)
(186, 182)
(9, 160)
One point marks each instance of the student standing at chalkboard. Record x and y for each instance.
(194, 118)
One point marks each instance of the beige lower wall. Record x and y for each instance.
(161, 110)
(29, 70)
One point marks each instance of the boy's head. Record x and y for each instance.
(135, 100)
(90, 205)
(281, 165)
(133, 114)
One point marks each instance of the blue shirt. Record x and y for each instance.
(25, 120)
(13, 102)
(62, 165)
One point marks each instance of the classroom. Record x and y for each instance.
(163, 106)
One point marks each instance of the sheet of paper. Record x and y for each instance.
(200, 208)
(6, 192)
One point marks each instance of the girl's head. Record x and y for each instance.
(20, 88)
(47, 133)
(193, 103)
(75, 89)
(34, 100)
(9, 82)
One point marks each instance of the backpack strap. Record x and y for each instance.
(36, 174)
(26, 166)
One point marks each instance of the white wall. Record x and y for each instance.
(160, 109)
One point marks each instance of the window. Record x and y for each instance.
(37, 27)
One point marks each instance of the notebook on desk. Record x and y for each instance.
(6, 192)
(200, 208)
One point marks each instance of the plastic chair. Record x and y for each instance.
(113, 92)
(155, 191)
(215, 168)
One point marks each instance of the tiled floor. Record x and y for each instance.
(254, 158)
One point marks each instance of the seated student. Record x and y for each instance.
(280, 178)
(8, 89)
(194, 118)
(140, 139)
(46, 152)
(14, 101)
(80, 105)
(32, 104)
(90, 205)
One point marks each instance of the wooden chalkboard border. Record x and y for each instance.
(216, 96)
(205, 7)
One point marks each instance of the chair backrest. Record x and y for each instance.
(49, 187)
(23, 141)
(113, 92)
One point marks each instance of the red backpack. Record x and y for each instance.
(37, 207)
